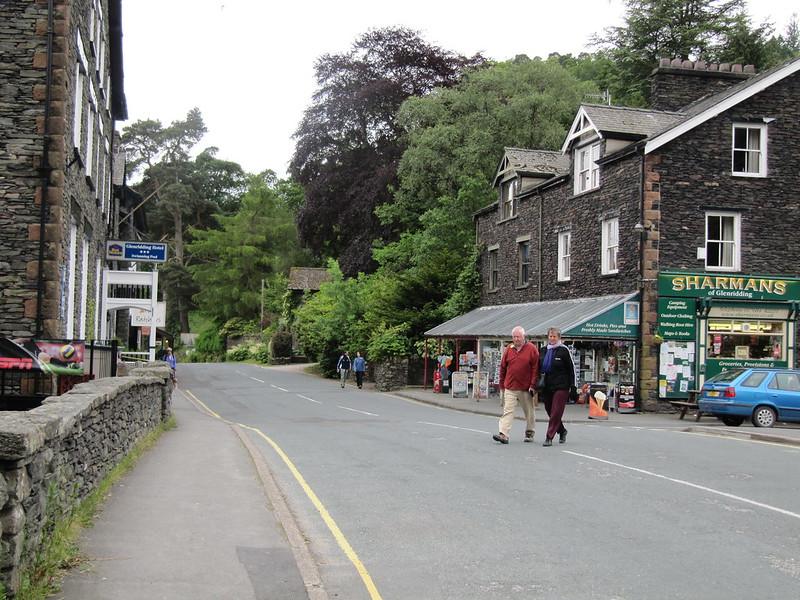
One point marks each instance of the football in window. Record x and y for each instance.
(749, 153)
(722, 241)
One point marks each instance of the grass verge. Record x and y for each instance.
(60, 551)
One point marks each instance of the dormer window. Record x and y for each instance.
(749, 154)
(508, 199)
(587, 171)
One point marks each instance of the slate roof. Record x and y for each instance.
(307, 278)
(638, 122)
(533, 162)
(490, 322)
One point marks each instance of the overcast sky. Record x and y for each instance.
(248, 65)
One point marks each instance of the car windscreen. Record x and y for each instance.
(726, 376)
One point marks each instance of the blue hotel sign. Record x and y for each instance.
(136, 251)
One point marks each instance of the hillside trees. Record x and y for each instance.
(349, 143)
(258, 242)
(183, 192)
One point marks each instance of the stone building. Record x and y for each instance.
(661, 241)
(61, 94)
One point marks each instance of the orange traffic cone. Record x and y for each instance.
(598, 406)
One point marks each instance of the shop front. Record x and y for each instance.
(710, 323)
(601, 333)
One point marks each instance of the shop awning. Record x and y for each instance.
(603, 317)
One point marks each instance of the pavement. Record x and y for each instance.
(167, 530)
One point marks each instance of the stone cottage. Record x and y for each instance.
(61, 94)
(661, 241)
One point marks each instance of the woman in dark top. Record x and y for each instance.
(559, 377)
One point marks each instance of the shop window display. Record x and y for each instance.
(754, 340)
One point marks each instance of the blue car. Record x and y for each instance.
(764, 396)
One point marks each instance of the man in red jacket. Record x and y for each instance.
(519, 370)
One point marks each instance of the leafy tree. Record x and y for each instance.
(457, 135)
(654, 29)
(329, 321)
(349, 143)
(758, 45)
(258, 242)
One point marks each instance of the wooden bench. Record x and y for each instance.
(690, 402)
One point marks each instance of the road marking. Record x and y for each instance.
(332, 526)
(453, 427)
(258, 380)
(272, 385)
(363, 412)
(309, 399)
(205, 407)
(696, 486)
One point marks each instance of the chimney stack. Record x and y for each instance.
(677, 83)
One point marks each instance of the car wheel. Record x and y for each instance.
(732, 421)
(764, 416)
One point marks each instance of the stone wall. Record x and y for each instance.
(53, 456)
(391, 374)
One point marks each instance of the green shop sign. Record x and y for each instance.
(619, 322)
(728, 287)
(676, 318)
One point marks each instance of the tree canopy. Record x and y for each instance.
(349, 143)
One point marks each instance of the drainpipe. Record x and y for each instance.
(541, 246)
(45, 170)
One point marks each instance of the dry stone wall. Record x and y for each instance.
(53, 456)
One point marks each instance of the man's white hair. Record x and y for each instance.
(519, 329)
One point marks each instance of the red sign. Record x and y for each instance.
(25, 364)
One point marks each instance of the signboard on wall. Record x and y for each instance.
(676, 369)
(676, 318)
(619, 322)
(141, 317)
(728, 287)
(136, 251)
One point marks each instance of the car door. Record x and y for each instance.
(784, 390)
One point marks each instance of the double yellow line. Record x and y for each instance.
(326, 516)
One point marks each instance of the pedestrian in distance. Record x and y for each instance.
(519, 370)
(170, 359)
(559, 383)
(359, 366)
(343, 367)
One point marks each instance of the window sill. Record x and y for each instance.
(749, 175)
(614, 274)
(563, 281)
(584, 193)
(522, 286)
(511, 218)
(493, 291)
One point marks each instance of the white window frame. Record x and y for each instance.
(84, 299)
(564, 255)
(77, 111)
(587, 171)
(610, 247)
(523, 265)
(755, 158)
(509, 199)
(731, 241)
(71, 273)
(494, 267)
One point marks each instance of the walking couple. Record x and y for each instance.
(524, 375)
(358, 364)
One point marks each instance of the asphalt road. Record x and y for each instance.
(401, 500)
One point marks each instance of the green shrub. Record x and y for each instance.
(281, 344)
(238, 354)
(388, 342)
(260, 352)
(210, 346)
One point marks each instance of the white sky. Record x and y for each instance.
(249, 64)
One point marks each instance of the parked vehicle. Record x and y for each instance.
(764, 396)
